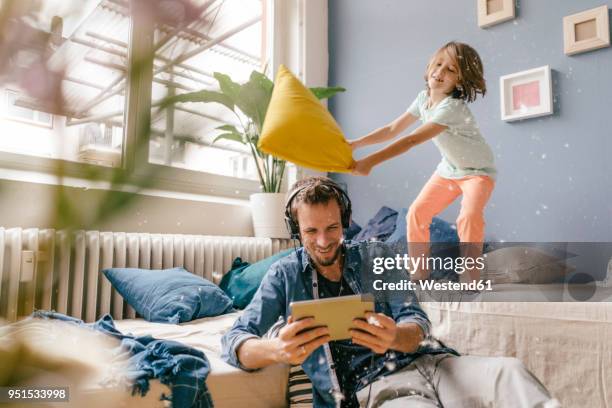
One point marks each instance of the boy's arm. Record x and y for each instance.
(423, 133)
(385, 133)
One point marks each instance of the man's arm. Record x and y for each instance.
(380, 333)
(263, 311)
(408, 338)
(295, 342)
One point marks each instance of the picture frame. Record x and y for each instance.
(586, 31)
(526, 94)
(491, 12)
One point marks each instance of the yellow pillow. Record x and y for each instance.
(299, 129)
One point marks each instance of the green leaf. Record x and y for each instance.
(200, 96)
(228, 128)
(324, 93)
(265, 82)
(236, 137)
(255, 97)
(228, 87)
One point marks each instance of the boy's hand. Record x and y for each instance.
(378, 333)
(297, 340)
(354, 144)
(361, 168)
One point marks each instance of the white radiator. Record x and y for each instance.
(49, 269)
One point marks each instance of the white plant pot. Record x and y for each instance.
(268, 213)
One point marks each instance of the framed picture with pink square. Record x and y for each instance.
(526, 94)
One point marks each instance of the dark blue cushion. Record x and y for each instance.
(243, 280)
(352, 230)
(439, 230)
(169, 295)
(380, 227)
(442, 231)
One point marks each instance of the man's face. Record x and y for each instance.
(321, 231)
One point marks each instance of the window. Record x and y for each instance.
(88, 44)
(91, 43)
(228, 38)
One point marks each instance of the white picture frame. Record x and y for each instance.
(586, 31)
(526, 94)
(491, 12)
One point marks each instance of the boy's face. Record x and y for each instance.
(443, 75)
(321, 231)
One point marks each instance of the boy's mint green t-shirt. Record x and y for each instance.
(464, 151)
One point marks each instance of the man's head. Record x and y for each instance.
(318, 210)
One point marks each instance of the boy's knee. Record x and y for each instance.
(470, 216)
(420, 212)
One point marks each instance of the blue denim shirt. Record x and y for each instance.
(289, 280)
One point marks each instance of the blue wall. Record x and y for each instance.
(555, 175)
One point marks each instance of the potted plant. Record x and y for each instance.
(249, 103)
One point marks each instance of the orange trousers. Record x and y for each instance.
(437, 194)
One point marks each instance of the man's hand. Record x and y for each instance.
(361, 168)
(378, 333)
(293, 348)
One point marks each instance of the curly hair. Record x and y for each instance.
(314, 190)
(471, 72)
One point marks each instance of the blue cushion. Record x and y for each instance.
(399, 234)
(352, 230)
(380, 227)
(170, 295)
(243, 280)
(442, 231)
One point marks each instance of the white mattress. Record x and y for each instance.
(567, 345)
(229, 386)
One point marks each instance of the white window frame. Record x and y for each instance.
(35, 113)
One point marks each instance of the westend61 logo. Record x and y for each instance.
(431, 285)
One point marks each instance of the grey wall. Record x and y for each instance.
(555, 176)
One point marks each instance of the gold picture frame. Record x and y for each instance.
(586, 31)
(491, 12)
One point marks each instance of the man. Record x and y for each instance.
(386, 362)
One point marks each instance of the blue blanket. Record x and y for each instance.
(182, 368)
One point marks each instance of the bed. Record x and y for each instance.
(84, 360)
(567, 345)
(230, 387)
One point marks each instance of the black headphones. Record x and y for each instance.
(343, 200)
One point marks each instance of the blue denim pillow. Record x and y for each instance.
(169, 295)
(380, 227)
